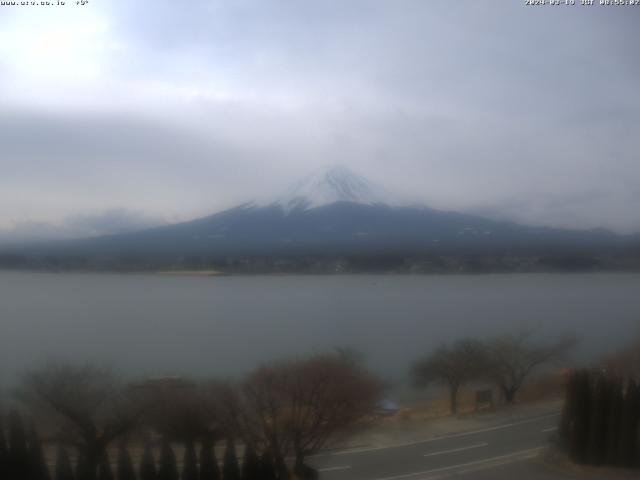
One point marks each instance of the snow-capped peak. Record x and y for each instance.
(330, 185)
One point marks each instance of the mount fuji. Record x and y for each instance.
(329, 215)
(331, 185)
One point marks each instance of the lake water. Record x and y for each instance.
(223, 326)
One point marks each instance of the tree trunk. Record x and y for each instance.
(453, 400)
(281, 468)
(302, 471)
(87, 468)
(509, 394)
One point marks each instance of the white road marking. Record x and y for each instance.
(550, 429)
(333, 469)
(437, 439)
(503, 459)
(453, 450)
(497, 463)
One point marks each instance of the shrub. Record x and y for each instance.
(168, 468)
(18, 449)
(38, 469)
(230, 467)
(190, 463)
(104, 468)
(125, 465)
(251, 464)
(63, 470)
(148, 469)
(209, 469)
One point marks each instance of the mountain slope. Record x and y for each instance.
(333, 213)
(338, 228)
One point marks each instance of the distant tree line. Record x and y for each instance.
(506, 361)
(278, 415)
(601, 419)
(434, 262)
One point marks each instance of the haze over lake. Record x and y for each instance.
(224, 326)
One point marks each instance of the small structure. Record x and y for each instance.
(387, 408)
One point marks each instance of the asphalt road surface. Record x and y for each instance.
(502, 451)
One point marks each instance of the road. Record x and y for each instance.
(499, 451)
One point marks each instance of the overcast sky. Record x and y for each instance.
(121, 113)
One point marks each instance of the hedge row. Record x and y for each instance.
(22, 458)
(601, 420)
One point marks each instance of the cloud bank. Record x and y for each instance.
(175, 111)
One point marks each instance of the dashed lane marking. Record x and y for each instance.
(464, 467)
(334, 469)
(454, 450)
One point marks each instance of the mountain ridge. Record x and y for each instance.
(332, 214)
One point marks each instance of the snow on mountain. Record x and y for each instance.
(330, 185)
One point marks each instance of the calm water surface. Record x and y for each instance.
(153, 324)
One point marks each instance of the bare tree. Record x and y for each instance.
(453, 366)
(297, 407)
(85, 405)
(178, 408)
(512, 358)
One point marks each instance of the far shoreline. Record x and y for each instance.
(246, 273)
(191, 273)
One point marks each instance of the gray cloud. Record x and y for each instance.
(116, 220)
(113, 221)
(521, 113)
